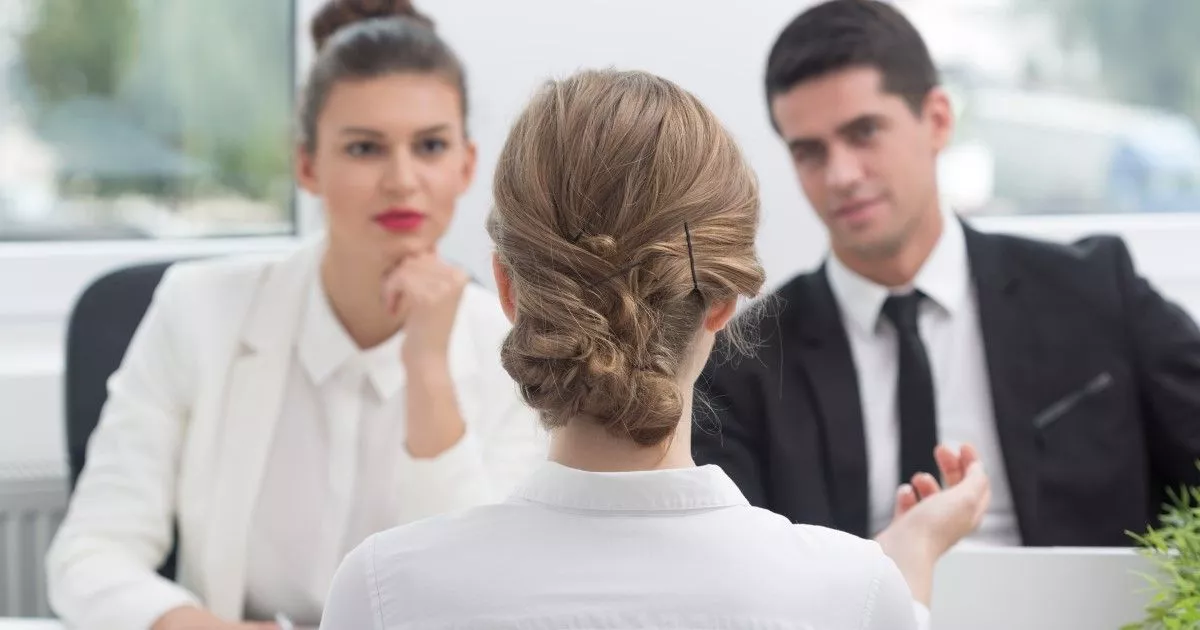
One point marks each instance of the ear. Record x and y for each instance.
(306, 174)
(508, 301)
(719, 315)
(468, 173)
(939, 112)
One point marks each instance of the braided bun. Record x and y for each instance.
(592, 191)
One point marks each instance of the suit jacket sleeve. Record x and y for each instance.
(1166, 344)
(729, 429)
(101, 567)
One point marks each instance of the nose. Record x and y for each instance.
(400, 176)
(843, 170)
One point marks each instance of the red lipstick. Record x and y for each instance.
(400, 220)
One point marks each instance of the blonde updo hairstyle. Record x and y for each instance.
(623, 210)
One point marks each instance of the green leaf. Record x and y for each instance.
(1174, 548)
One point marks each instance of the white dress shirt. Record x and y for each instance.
(210, 394)
(949, 325)
(329, 480)
(651, 549)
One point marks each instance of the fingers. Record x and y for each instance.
(976, 489)
(975, 475)
(950, 463)
(968, 455)
(421, 279)
(925, 485)
(906, 499)
(393, 288)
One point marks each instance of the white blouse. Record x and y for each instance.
(332, 474)
(653, 549)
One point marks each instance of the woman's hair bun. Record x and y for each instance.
(337, 14)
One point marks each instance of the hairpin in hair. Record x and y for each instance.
(687, 233)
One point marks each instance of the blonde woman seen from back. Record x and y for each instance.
(282, 410)
(624, 225)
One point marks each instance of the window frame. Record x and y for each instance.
(65, 268)
(1159, 242)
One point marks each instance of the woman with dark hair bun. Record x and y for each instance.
(280, 411)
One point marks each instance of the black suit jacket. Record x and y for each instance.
(1095, 380)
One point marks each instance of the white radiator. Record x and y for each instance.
(33, 499)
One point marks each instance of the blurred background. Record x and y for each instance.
(136, 119)
(135, 130)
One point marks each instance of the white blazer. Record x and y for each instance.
(189, 423)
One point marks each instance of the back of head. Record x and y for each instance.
(623, 209)
(365, 39)
(841, 34)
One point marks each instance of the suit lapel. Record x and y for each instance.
(825, 357)
(254, 393)
(1010, 346)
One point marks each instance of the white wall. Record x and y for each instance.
(713, 48)
(718, 53)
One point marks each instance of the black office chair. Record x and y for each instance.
(100, 328)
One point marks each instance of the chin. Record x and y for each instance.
(866, 240)
(409, 244)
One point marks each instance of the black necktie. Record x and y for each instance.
(914, 389)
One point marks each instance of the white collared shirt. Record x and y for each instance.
(949, 325)
(650, 549)
(338, 466)
(327, 482)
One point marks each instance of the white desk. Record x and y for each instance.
(1001, 589)
(1039, 589)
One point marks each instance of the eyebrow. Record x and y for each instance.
(434, 129)
(843, 129)
(375, 133)
(858, 122)
(361, 131)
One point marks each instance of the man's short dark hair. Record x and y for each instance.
(841, 34)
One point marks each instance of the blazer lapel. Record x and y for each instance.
(254, 393)
(1010, 346)
(824, 355)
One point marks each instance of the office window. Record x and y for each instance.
(1069, 106)
(144, 119)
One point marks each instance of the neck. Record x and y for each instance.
(899, 266)
(354, 286)
(585, 445)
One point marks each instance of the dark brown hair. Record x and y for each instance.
(622, 210)
(841, 34)
(364, 39)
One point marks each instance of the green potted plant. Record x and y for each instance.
(1174, 547)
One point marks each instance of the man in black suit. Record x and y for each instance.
(1076, 381)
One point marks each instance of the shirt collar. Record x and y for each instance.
(324, 347)
(701, 487)
(945, 278)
